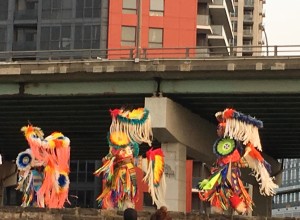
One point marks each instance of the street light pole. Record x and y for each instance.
(266, 38)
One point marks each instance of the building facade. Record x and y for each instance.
(152, 24)
(287, 201)
(207, 27)
(214, 28)
(41, 25)
(247, 23)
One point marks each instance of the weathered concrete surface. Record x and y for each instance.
(235, 67)
(19, 213)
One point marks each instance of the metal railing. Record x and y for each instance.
(153, 53)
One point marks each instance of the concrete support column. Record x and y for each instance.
(172, 123)
(175, 160)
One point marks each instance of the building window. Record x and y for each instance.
(284, 198)
(88, 8)
(3, 10)
(56, 38)
(234, 26)
(128, 36)
(156, 8)
(129, 7)
(82, 171)
(155, 38)
(56, 9)
(87, 37)
(82, 198)
(2, 39)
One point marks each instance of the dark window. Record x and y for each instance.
(56, 38)
(66, 37)
(2, 39)
(78, 37)
(88, 8)
(56, 9)
(90, 167)
(3, 10)
(73, 166)
(81, 198)
(81, 177)
(96, 9)
(73, 177)
(90, 200)
(87, 37)
(82, 167)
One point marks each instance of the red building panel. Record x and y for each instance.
(179, 23)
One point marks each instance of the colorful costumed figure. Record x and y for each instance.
(238, 146)
(30, 177)
(53, 153)
(128, 129)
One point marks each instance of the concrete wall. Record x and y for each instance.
(18, 213)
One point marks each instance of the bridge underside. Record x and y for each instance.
(85, 119)
(78, 104)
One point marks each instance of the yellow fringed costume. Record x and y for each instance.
(127, 130)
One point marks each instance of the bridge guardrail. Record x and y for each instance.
(199, 52)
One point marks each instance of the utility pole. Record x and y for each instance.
(138, 30)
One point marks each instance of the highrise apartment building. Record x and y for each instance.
(286, 203)
(222, 24)
(247, 24)
(42, 25)
(214, 28)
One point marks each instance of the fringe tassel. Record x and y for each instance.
(157, 192)
(261, 174)
(241, 131)
(138, 130)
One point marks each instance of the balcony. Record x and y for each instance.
(218, 39)
(203, 24)
(25, 16)
(248, 18)
(248, 33)
(220, 16)
(24, 46)
(249, 4)
(230, 5)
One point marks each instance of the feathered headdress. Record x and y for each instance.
(244, 128)
(136, 124)
(240, 127)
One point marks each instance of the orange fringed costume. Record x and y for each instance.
(54, 153)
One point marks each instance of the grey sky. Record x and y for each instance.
(282, 22)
